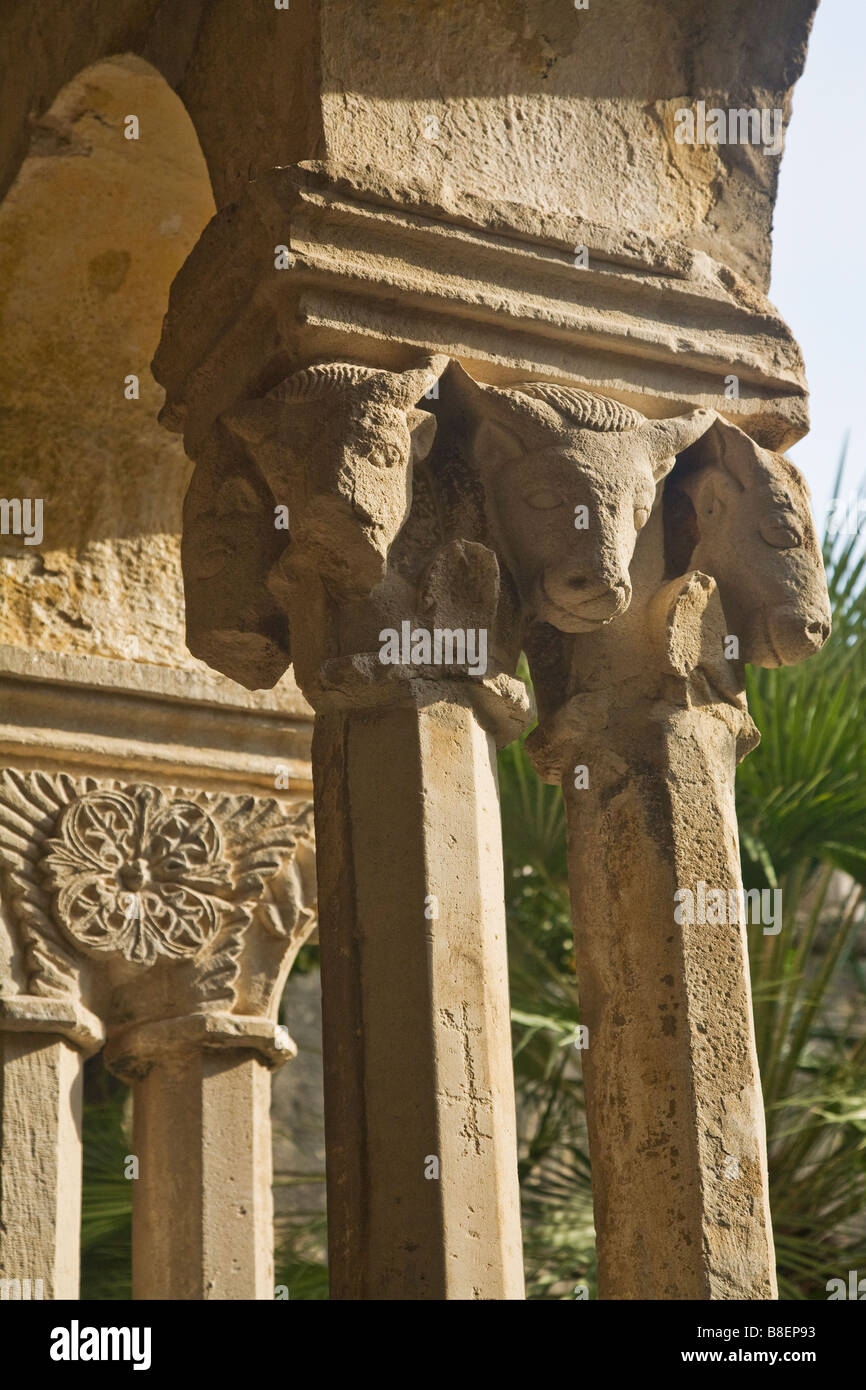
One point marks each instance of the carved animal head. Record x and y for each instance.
(335, 442)
(570, 479)
(743, 515)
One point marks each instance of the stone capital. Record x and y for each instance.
(131, 1052)
(353, 518)
(133, 906)
(63, 1017)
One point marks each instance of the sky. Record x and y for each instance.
(818, 234)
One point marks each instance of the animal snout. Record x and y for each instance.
(592, 600)
(818, 631)
(796, 635)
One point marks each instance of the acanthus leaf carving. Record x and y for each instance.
(30, 805)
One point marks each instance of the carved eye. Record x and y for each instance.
(543, 499)
(779, 534)
(641, 517)
(385, 456)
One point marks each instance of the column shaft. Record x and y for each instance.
(40, 1162)
(675, 1114)
(423, 1197)
(202, 1223)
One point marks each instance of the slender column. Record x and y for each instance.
(202, 1216)
(674, 1107)
(42, 1043)
(643, 722)
(423, 1198)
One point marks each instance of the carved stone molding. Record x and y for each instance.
(130, 720)
(648, 320)
(142, 904)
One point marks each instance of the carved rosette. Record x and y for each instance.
(131, 880)
(139, 873)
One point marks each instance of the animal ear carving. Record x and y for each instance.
(724, 446)
(422, 428)
(667, 438)
(495, 443)
(735, 451)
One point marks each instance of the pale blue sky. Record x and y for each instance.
(818, 243)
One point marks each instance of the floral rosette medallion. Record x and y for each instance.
(139, 874)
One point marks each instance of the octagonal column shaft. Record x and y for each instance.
(42, 1045)
(423, 1198)
(674, 1107)
(40, 1165)
(202, 1212)
(202, 1224)
(647, 760)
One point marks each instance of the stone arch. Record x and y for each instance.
(246, 74)
(92, 233)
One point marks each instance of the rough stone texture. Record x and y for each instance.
(535, 513)
(570, 479)
(386, 330)
(155, 909)
(202, 1224)
(670, 1070)
(653, 707)
(732, 499)
(649, 322)
(40, 1161)
(538, 105)
(416, 1033)
(61, 712)
(415, 1009)
(166, 921)
(81, 301)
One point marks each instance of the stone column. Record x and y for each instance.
(293, 359)
(420, 1118)
(420, 1121)
(646, 750)
(42, 1045)
(202, 1221)
(672, 1090)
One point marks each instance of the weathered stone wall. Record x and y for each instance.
(539, 105)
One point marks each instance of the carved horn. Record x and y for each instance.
(512, 408)
(410, 385)
(326, 378)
